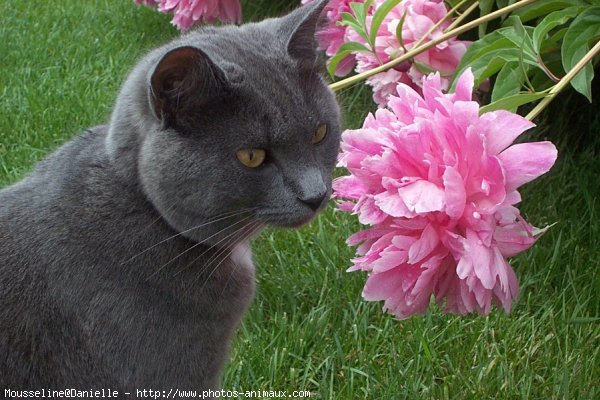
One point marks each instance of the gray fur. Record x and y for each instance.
(108, 277)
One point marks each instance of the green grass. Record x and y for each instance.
(62, 63)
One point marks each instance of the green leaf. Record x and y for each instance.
(489, 54)
(482, 46)
(508, 81)
(545, 7)
(550, 22)
(349, 20)
(583, 29)
(453, 3)
(380, 13)
(399, 31)
(344, 50)
(519, 35)
(512, 102)
(426, 69)
(539, 79)
(357, 19)
(359, 10)
(485, 7)
(554, 41)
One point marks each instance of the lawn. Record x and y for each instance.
(61, 66)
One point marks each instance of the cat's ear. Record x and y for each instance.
(300, 27)
(184, 77)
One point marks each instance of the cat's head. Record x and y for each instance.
(231, 120)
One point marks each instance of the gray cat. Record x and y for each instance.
(124, 256)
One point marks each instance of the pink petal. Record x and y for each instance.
(501, 128)
(367, 234)
(422, 196)
(508, 290)
(389, 260)
(230, 11)
(349, 187)
(406, 103)
(345, 66)
(465, 113)
(526, 161)
(464, 85)
(368, 212)
(483, 264)
(513, 239)
(391, 204)
(464, 268)
(424, 246)
(381, 286)
(455, 195)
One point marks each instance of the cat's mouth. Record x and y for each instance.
(286, 219)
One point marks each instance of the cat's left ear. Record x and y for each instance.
(300, 27)
(184, 78)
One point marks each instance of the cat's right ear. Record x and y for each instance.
(185, 77)
(299, 27)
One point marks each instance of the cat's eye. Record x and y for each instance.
(252, 158)
(319, 134)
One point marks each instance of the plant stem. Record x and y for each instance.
(565, 80)
(344, 83)
(462, 16)
(437, 24)
(546, 69)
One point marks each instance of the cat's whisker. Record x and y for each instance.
(226, 251)
(227, 255)
(256, 228)
(229, 236)
(157, 218)
(196, 245)
(225, 248)
(217, 218)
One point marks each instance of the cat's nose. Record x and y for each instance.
(314, 202)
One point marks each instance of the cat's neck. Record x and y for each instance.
(130, 121)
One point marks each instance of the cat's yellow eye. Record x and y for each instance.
(252, 157)
(319, 134)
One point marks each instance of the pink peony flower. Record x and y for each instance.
(192, 12)
(420, 17)
(438, 184)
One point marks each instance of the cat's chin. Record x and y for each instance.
(285, 219)
(290, 222)
(295, 224)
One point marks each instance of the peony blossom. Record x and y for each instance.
(191, 12)
(419, 17)
(438, 185)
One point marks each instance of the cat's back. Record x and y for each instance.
(38, 213)
(57, 172)
(34, 219)
(70, 214)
